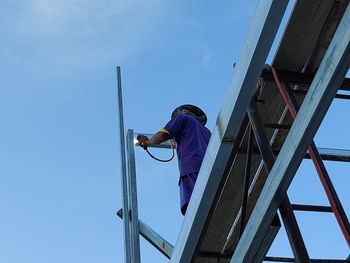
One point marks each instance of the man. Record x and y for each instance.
(187, 126)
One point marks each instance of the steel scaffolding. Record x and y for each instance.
(264, 130)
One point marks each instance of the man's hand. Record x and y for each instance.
(143, 141)
(157, 138)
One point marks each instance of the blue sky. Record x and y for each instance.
(60, 175)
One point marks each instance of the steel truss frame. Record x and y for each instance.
(322, 91)
(320, 167)
(281, 170)
(256, 128)
(286, 208)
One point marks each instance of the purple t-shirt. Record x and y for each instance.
(192, 139)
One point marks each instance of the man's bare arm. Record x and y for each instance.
(157, 138)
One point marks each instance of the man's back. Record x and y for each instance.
(192, 138)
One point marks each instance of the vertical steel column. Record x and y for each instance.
(127, 249)
(332, 196)
(288, 217)
(132, 197)
(246, 179)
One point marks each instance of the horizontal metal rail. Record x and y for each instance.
(284, 259)
(312, 208)
(327, 154)
(338, 96)
(277, 126)
(334, 154)
(298, 78)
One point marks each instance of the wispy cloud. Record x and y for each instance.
(193, 23)
(81, 31)
(207, 57)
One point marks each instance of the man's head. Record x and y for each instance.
(191, 110)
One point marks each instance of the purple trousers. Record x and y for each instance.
(186, 184)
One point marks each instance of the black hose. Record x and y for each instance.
(161, 160)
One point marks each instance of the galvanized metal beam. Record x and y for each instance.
(127, 245)
(156, 240)
(329, 76)
(283, 259)
(153, 237)
(337, 96)
(293, 232)
(312, 208)
(327, 154)
(297, 78)
(267, 240)
(246, 178)
(261, 34)
(132, 198)
(318, 163)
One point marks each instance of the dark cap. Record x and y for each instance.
(191, 110)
